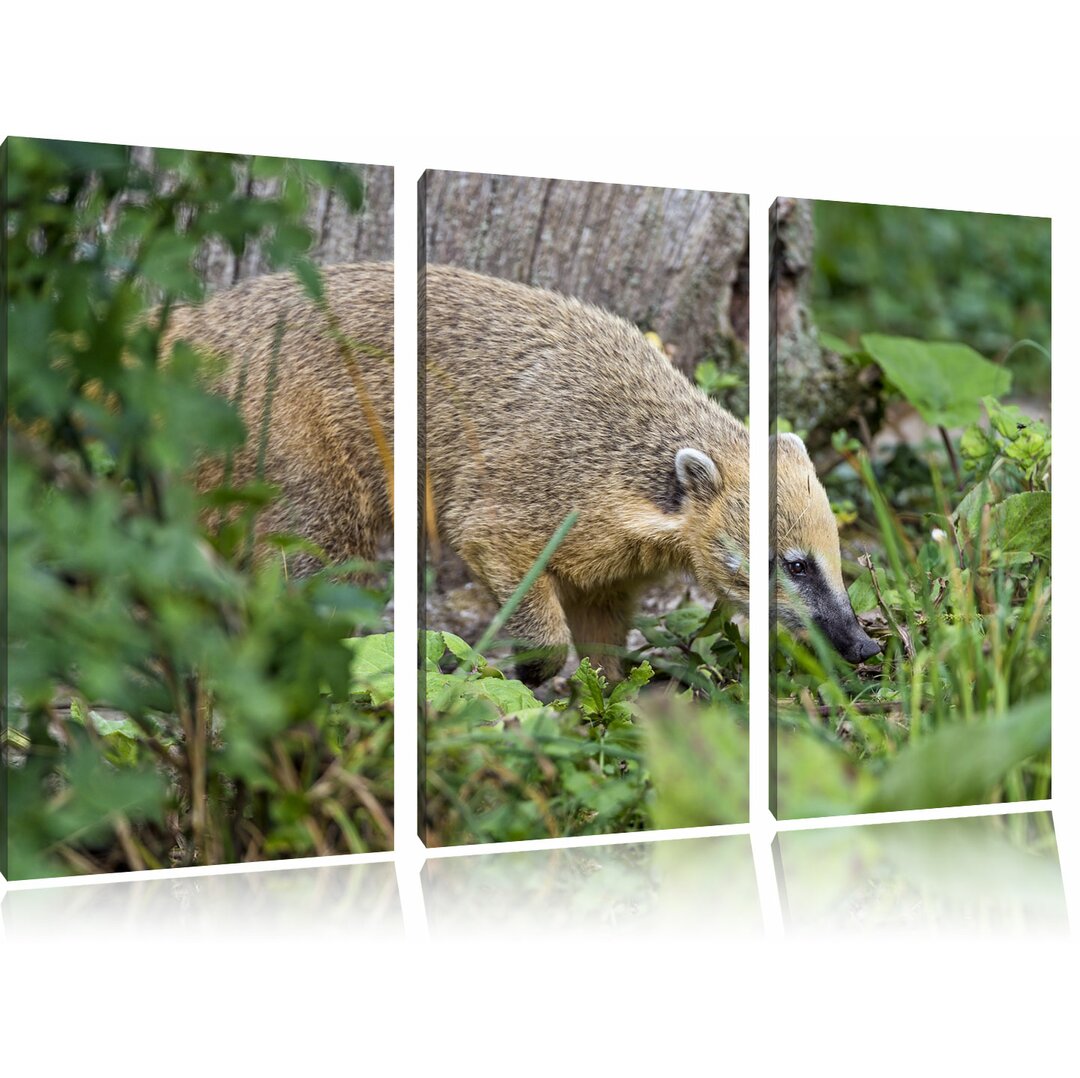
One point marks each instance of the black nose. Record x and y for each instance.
(861, 650)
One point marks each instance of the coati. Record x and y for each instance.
(326, 373)
(537, 405)
(805, 556)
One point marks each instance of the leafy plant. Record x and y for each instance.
(956, 709)
(173, 700)
(502, 765)
(699, 647)
(720, 382)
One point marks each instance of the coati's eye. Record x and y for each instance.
(796, 568)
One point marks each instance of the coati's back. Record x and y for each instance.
(328, 382)
(537, 404)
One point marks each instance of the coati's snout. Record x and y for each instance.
(830, 610)
(805, 560)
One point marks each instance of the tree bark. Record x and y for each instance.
(671, 261)
(814, 389)
(339, 235)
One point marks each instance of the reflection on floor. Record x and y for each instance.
(687, 887)
(361, 900)
(987, 876)
(994, 875)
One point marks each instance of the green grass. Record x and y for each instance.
(666, 747)
(956, 709)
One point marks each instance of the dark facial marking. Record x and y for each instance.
(831, 612)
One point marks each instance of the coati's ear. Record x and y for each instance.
(793, 442)
(696, 473)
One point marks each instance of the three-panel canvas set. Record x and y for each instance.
(199, 508)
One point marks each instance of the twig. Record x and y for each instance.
(122, 827)
(952, 455)
(370, 802)
(905, 639)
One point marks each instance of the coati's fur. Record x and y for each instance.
(329, 383)
(805, 555)
(537, 405)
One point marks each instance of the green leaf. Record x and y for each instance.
(445, 691)
(462, 650)
(167, 263)
(862, 594)
(1022, 523)
(372, 667)
(969, 512)
(434, 649)
(944, 380)
(837, 344)
(960, 765)
(310, 277)
(592, 683)
(122, 726)
(632, 684)
(687, 621)
(975, 446)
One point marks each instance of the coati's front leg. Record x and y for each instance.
(537, 626)
(540, 633)
(599, 623)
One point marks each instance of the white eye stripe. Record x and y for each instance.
(795, 555)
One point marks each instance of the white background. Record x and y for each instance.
(925, 104)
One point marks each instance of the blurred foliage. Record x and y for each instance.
(173, 699)
(955, 585)
(728, 387)
(977, 278)
(668, 746)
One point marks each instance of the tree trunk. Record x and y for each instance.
(671, 261)
(339, 235)
(814, 389)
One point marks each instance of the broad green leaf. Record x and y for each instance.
(632, 684)
(687, 621)
(372, 667)
(1022, 523)
(434, 648)
(122, 726)
(960, 765)
(944, 380)
(969, 512)
(837, 344)
(975, 446)
(462, 650)
(862, 594)
(445, 691)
